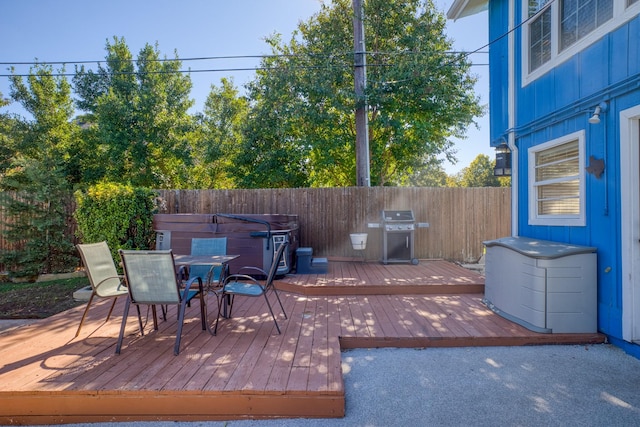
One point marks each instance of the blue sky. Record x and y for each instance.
(77, 30)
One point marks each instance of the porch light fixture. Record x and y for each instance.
(503, 161)
(601, 108)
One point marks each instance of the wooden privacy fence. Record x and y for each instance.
(460, 219)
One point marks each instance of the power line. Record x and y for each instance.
(215, 70)
(215, 58)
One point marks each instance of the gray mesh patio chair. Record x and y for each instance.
(246, 285)
(103, 276)
(152, 280)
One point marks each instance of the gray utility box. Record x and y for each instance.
(545, 286)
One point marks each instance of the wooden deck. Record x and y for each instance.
(247, 370)
(369, 278)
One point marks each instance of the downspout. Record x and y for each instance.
(511, 108)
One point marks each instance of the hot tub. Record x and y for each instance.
(255, 237)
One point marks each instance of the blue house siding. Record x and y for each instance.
(499, 73)
(560, 103)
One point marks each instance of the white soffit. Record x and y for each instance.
(462, 8)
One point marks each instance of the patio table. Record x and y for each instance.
(212, 260)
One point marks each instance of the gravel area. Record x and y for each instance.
(594, 385)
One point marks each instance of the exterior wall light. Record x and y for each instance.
(601, 108)
(503, 161)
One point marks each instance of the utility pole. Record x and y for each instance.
(363, 175)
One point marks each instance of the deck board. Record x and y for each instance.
(247, 370)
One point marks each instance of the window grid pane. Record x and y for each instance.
(540, 40)
(559, 170)
(536, 6)
(559, 199)
(579, 18)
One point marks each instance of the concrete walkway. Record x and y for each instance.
(595, 385)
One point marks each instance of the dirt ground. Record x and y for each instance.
(39, 300)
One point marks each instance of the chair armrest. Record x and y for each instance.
(239, 278)
(183, 273)
(189, 284)
(120, 277)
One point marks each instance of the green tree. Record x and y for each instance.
(479, 173)
(219, 137)
(142, 130)
(39, 179)
(419, 96)
(432, 174)
(272, 155)
(7, 142)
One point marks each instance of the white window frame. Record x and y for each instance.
(622, 12)
(579, 219)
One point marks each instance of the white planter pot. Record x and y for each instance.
(358, 241)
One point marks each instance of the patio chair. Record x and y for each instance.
(103, 276)
(208, 246)
(151, 279)
(248, 286)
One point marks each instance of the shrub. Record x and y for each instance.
(120, 214)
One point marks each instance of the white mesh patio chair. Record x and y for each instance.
(103, 277)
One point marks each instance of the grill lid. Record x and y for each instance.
(397, 216)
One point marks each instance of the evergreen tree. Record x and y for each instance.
(38, 181)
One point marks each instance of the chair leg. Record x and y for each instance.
(140, 325)
(85, 313)
(154, 312)
(220, 300)
(281, 306)
(123, 325)
(229, 304)
(203, 311)
(183, 307)
(271, 311)
(113, 304)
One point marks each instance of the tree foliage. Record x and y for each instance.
(7, 143)
(419, 96)
(479, 174)
(39, 175)
(431, 175)
(139, 109)
(219, 137)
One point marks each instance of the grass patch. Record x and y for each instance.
(39, 300)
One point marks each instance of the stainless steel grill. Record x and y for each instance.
(398, 236)
(398, 229)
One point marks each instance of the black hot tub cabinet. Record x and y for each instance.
(542, 285)
(255, 237)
